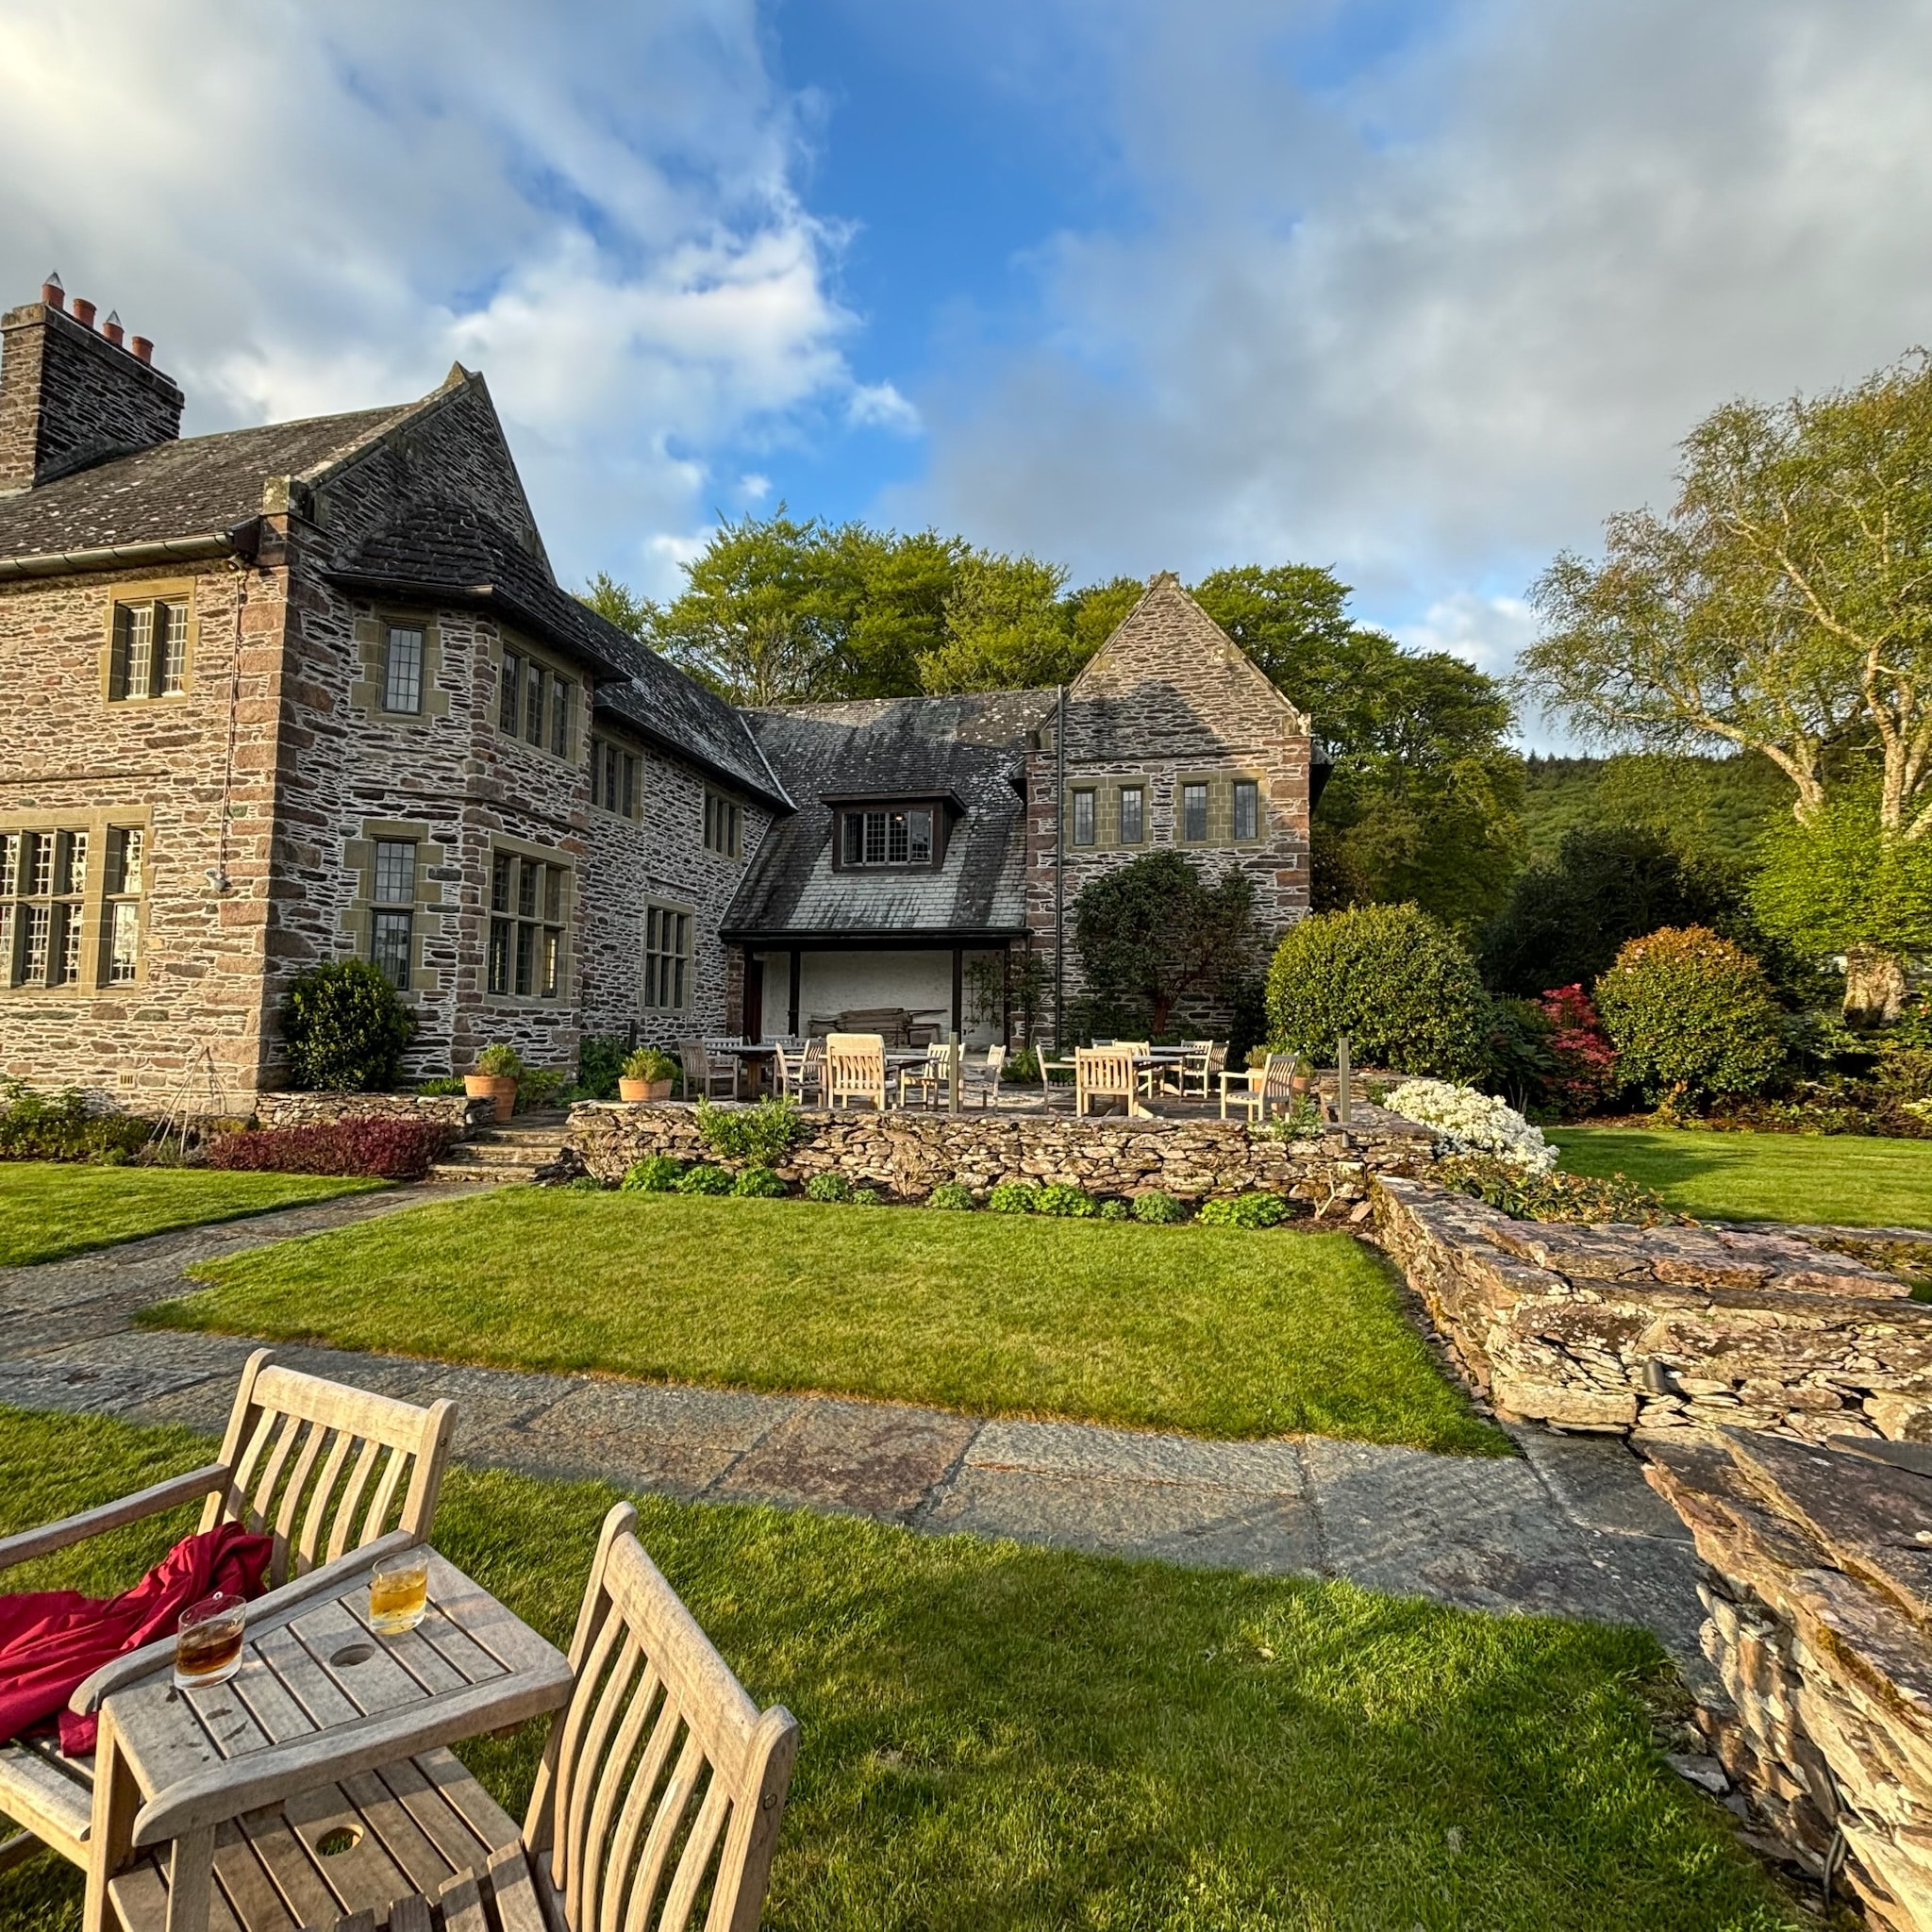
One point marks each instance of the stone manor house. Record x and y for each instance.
(293, 693)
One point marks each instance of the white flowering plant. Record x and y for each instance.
(1473, 1122)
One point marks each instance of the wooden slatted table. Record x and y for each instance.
(312, 1783)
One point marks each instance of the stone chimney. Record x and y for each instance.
(70, 397)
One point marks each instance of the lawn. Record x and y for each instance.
(50, 1209)
(1843, 1178)
(1214, 1331)
(998, 1735)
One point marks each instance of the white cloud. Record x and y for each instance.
(312, 210)
(1487, 631)
(1436, 320)
(879, 406)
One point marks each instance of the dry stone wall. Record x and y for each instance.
(1819, 1626)
(1620, 1327)
(909, 1154)
(456, 1111)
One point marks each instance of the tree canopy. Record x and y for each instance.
(1783, 606)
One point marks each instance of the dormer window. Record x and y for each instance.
(906, 835)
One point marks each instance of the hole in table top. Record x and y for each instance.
(352, 1654)
(338, 1839)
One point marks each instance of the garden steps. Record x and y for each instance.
(497, 1156)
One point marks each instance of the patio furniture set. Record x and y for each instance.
(315, 1787)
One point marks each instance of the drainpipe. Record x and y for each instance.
(1060, 874)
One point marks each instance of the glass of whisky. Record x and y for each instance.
(399, 1593)
(208, 1642)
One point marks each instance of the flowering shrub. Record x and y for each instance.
(954, 1196)
(1064, 1199)
(1245, 1210)
(758, 1184)
(704, 1180)
(1552, 1197)
(1013, 1198)
(1158, 1208)
(1474, 1122)
(655, 1173)
(382, 1148)
(1584, 1077)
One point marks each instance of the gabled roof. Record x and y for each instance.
(971, 747)
(200, 486)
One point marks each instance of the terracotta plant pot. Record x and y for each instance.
(632, 1092)
(497, 1087)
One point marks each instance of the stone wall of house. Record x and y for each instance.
(1622, 1328)
(1820, 1627)
(456, 1111)
(661, 855)
(195, 772)
(1169, 699)
(907, 1154)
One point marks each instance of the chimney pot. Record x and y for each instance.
(83, 311)
(52, 293)
(144, 349)
(111, 328)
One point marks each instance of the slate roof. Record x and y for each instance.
(199, 486)
(972, 747)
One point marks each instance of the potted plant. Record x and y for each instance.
(647, 1075)
(494, 1078)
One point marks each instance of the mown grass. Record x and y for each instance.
(1214, 1331)
(1002, 1737)
(50, 1210)
(1843, 1178)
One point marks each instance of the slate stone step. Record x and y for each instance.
(488, 1153)
(477, 1174)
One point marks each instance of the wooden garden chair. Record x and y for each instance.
(1055, 1093)
(1263, 1090)
(984, 1081)
(933, 1081)
(802, 1071)
(314, 1464)
(662, 1787)
(706, 1072)
(1107, 1073)
(1206, 1068)
(855, 1067)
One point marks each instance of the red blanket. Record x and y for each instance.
(53, 1640)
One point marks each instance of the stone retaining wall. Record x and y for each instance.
(1621, 1327)
(909, 1154)
(456, 1111)
(1820, 1616)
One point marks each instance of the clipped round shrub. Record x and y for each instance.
(344, 1029)
(655, 1173)
(1013, 1198)
(1692, 1016)
(1063, 1199)
(953, 1197)
(828, 1187)
(1245, 1210)
(1398, 982)
(758, 1184)
(1160, 1208)
(705, 1179)
(1114, 1209)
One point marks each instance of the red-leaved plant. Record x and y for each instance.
(1585, 1075)
(380, 1148)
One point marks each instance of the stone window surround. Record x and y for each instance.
(156, 591)
(372, 629)
(678, 909)
(597, 740)
(356, 925)
(1164, 790)
(733, 810)
(96, 822)
(1220, 785)
(566, 958)
(515, 645)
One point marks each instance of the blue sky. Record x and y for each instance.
(1424, 291)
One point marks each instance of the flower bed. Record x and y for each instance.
(381, 1148)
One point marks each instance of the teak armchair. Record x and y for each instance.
(318, 1466)
(855, 1067)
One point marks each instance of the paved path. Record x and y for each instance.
(1569, 1527)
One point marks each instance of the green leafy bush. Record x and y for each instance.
(536, 1087)
(344, 1029)
(600, 1059)
(702, 1179)
(584, 1184)
(59, 1126)
(1160, 1208)
(443, 1084)
(1013, 1198)
(499, 1062)
(866, 1197)
(1114, 1209)
(763, 1135)
(952, 1197)
(1553, 1196)
(1065, 1201)
(1691, 1015)
(758, 1184)
(829, 1186)
(1244, 1210)
(655, 1173)
(1396, 981)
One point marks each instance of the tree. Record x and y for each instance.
(1832, 881)
(620, 605)
(1783, 606)
(884, 598)
(1423, 801)
(1006, 628)
(1153, 933)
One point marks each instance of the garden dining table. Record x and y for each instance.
(756, 1059)
(314, 1775)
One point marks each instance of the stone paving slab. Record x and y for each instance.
(1569, 1527)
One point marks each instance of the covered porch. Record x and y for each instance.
(915, 990)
